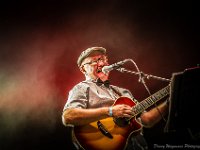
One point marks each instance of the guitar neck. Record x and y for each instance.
(143, 105)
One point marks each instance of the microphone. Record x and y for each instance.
(117, 65)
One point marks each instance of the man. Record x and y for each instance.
(93, 100)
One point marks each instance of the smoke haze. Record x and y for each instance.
(41, 41)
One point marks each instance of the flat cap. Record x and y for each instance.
(88, 52)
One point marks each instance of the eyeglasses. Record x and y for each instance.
(94, 62)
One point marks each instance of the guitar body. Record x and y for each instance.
(90, 137)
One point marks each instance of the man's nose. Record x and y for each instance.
(103, 63)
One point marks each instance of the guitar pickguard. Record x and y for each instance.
(122, 122)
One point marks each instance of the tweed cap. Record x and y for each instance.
(88, 52)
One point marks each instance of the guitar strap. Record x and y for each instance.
(116, 91)
(75, 142)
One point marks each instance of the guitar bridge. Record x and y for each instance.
(103, 130)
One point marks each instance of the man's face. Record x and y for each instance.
(93, 65)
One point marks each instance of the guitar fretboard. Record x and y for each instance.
(143, 105)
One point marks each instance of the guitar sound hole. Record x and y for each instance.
(122, 121)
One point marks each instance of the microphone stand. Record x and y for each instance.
(142, 76)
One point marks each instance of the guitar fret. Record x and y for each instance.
(153, 98)
(157, 95)
(140, 107)
(150, 102)
(134, 110)
(144, 103)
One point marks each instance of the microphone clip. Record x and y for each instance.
(114, 66)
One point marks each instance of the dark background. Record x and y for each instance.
(40, 42)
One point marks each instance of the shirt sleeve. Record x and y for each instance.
(78, 97)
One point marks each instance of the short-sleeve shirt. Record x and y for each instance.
(87, 94)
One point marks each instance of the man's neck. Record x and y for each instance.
(95, 78)
(90, 78)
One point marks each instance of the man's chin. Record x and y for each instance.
(101, 75)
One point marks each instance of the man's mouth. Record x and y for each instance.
(99, 70)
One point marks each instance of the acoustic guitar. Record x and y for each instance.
(113, 133)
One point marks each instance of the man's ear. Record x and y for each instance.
(82, 69)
